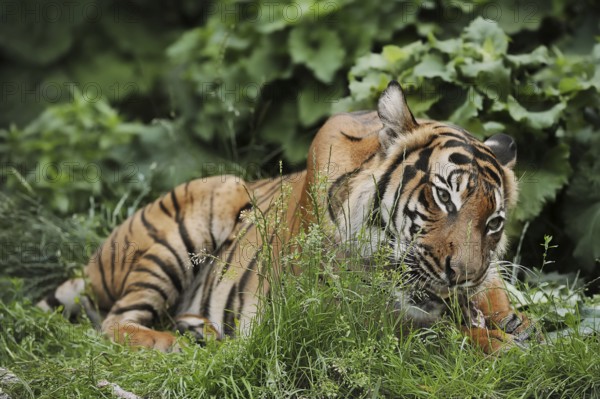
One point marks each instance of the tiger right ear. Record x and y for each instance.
(394, 113)
(504, 148)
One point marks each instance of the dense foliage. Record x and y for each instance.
(233, 86)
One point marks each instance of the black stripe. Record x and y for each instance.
(153, 232)
(175, 202)
(246, 276)
(409, 173)
(175, 280)
(477, 153)
(427, 267)
(424, 201)
(228, 313)
(151, 272)
(149, 286)
(459, 159)
(451, 181)
(213, 241)
(113, 244)
(240, 302)
(333, 189)
(423, 160)
(489, 172)
(351, 138)
(206, 299)
(180, 262)
(145, 307)
(136, 256)
(102, 275)
(164, 209)
(149, 226)
(185, 237)
(232, 252)
(124, 257)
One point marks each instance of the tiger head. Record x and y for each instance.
(441, 196)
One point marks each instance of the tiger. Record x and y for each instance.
(423, 189)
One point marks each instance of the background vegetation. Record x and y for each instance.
(103, 105)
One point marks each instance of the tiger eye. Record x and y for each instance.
(443, 195)
(495, 223)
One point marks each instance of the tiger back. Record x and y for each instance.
(424, 189)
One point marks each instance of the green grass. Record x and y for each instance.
(325, 334)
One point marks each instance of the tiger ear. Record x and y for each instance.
(394, 113)
(504, 148)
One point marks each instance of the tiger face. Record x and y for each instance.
(441, 197)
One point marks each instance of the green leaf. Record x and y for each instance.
(584, 225)
(321, 50)
(535, 120)
(450, 46)
(540, 181)
(463, 115)
(537, 57)
(491, 77)
(489, 37)
(434, 66)
(315, 102)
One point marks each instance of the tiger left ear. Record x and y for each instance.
(394, 113)
(504, 148)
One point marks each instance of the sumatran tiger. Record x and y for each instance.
(429, 191)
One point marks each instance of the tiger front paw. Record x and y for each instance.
(517, 325)
(490, 341)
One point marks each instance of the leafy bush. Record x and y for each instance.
(70, 152)
(267, 73)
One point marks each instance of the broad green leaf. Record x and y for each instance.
(320, 50)
(491, 77)
(535, 120)
(488, 36)
(433, 66)
(493, 127)
(450, 46)
(468, 110)
(537, 57)
(540, 181)
(584, 227)
(315, 102)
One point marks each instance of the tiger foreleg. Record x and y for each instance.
(503, 323)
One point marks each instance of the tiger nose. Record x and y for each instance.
(450, 272)
(458, 272)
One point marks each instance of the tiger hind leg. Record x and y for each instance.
(153, 285)
(71, 296)
(128, 323)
